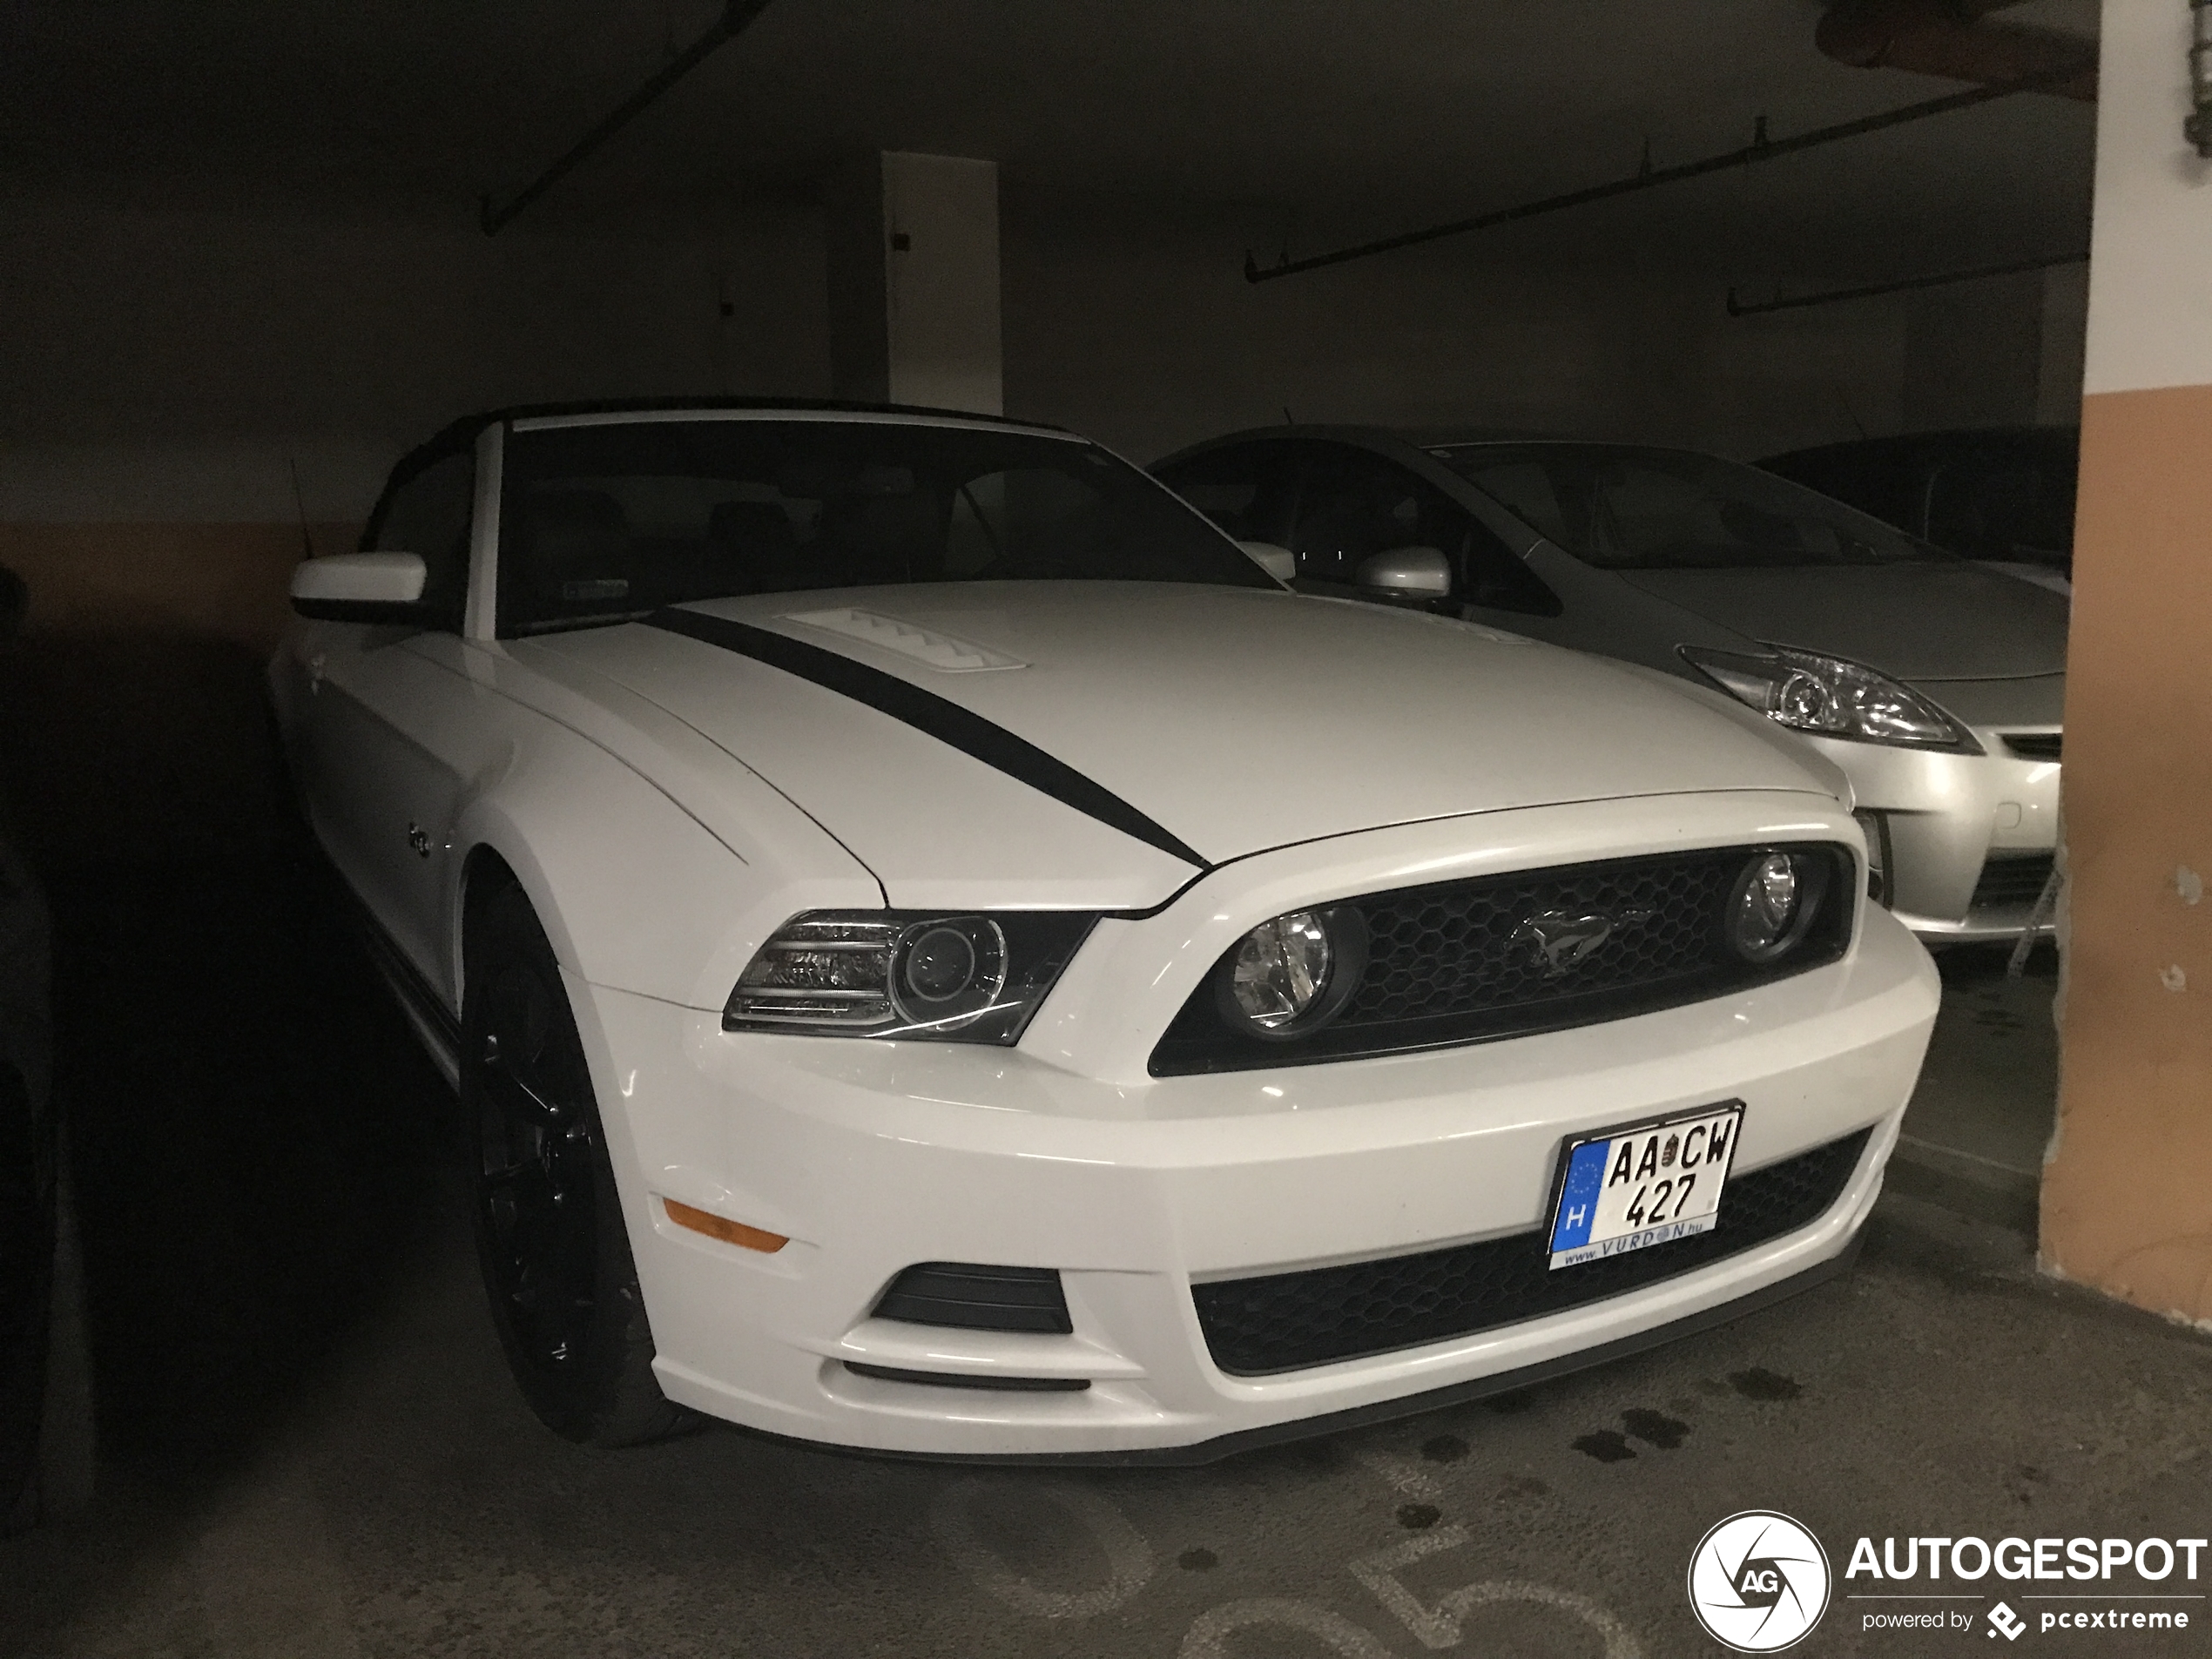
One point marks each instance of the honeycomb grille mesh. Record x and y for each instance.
(1452, 949)
(1255, 1327)
(1461, 961)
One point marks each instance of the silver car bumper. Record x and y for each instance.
(1969, 837)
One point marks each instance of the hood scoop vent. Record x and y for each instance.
(946, 652)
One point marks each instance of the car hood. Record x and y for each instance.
(1099, 744)
(1937, 621)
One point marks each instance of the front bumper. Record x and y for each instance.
(871, 1156)
(1953, 819)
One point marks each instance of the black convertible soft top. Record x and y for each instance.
(460, 434)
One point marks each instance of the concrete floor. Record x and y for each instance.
(311, 1446)
(1974, 1135)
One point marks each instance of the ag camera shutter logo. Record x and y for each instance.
(1758, 1582)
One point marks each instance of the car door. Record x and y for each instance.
(1352, 503)
(384, 729)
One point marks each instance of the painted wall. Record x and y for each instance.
(2126, 1205)
(1133, 321)
(186, 385)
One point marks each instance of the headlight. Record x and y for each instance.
(1774, 901)
(1293, 972)
(905, 973)
(1831, 698)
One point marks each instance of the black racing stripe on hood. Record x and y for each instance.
(946, 721)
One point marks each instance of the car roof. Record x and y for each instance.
(1429, 439)
(1955, 438)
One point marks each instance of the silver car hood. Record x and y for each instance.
(1947, 621)
(1233, 720)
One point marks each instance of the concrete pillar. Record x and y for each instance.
(2127, 1188)
(913, 245)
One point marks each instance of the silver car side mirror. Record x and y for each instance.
(1406, 573)
(359, 587)
(1278, 562)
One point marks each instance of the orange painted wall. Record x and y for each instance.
(2127, 1198)
(204, 581)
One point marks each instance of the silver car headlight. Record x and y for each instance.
(944, 977)
(1832, 696)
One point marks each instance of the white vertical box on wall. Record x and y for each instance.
(912, 245)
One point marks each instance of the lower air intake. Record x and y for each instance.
(976, 1298)
(2014, 880)
(1255, 1327)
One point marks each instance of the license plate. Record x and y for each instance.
(1632, 1188)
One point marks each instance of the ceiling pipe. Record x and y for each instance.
(1898, 285)
(1762, 148)
(736, 15)
(1957, 42)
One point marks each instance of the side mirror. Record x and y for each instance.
(1278, 562)
(1405, 573)
(359, 587)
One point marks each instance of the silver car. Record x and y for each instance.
(1936, 685)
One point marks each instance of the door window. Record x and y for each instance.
(2003, 509)
(1352, 503)
(428, 514)
(1244, 488)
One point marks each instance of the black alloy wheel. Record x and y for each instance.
(535, 1154)
(549, 1231)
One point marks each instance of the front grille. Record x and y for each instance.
(2034, 745)
(1255, 1327)
(1453, 961)
(976, 1298)
(2009, 882)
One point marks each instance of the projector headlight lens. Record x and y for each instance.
(947, 971)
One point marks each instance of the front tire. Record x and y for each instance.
(548, 1225)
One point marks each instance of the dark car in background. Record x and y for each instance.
(2002, 496)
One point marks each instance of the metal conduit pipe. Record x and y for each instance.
(736, 15)
(1762, 148)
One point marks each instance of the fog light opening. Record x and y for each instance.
(1876, 827)
(1773, 905)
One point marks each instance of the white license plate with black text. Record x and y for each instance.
(1648, 1185)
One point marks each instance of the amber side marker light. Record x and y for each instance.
(729, 1233)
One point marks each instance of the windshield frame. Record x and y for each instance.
(1852, 521)
(1237, 568)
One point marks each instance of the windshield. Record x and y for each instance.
(1624, 508)
(612, 520)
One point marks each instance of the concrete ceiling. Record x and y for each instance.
(1318, 120)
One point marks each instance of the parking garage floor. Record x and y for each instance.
(311, 1446)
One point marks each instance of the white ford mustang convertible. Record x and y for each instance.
(940, 952)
